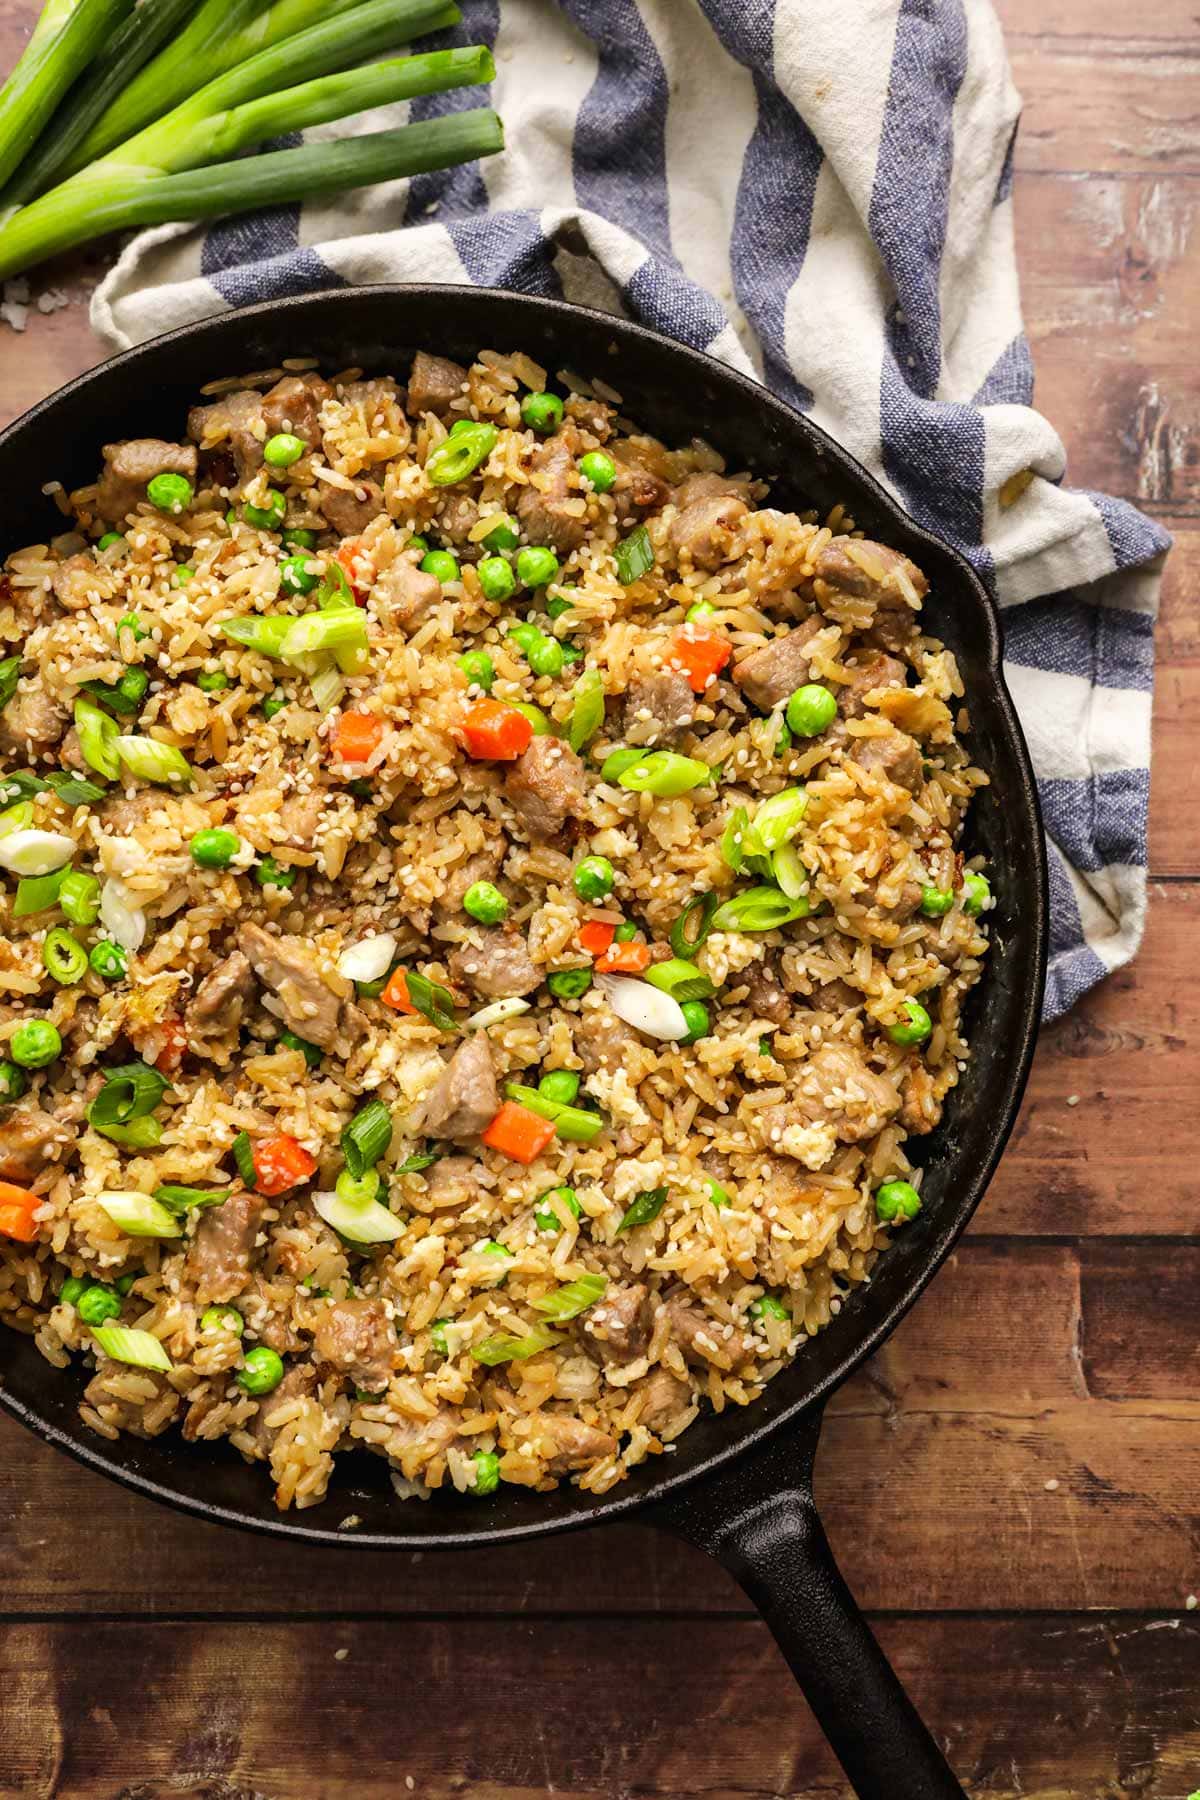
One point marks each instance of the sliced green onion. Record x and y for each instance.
(109, 960)
(327, 689)
(35, 852)
(79, 897)
(791, 877)
(141, 1349)
(325, 631)
(366, 1137)
(361, 1223)
(73, 790)
(129, 1092)
(264, 634)
(664, 773)
(312, 1053)
(503, 1349)
(21, 785)
(569, 1301)
(419, 1160)
(243, 1156)
(690, 930)
(778, 819)
(64, 957)
(139, 1215)
(431, 999)
(644, 1209)
(177, 1199)
(570, 1122)
(759, 909)
(124, 696)
(38, 893)
(681, 979)
(460, 454)
(19, 817)
(358, 1190)
(587, 709)
(635, 556)
(139, 1134)
(10, 674)
(733, 839)
(151, 761)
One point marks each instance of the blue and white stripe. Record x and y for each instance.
(839, 224)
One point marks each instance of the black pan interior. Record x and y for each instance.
(677, 394)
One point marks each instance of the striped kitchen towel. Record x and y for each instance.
(819, 192)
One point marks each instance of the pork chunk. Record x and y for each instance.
(837, 1087)
(856, 568)
(434, 384)
(456, 521)
(866, 675)
(664, 1397)
(80, 580)
(357, 1338)
(774, 672)
(234, 422)
(294, 404)
(546, 786)
(546, 507)
(30, 1141)
(32, 723)
(617, 1329)
(130, 466)
(350, 510)
(453, 1181)
(705, 531)
(705, 1339)
(602, 1041)
(566, 1443)
(218, 1260)
(298, 1383)
(895, 756)
(920, 1109)
(221, 997)
(767, 998)
(496, 965)
(403, 594)
(637, 488)
(658, 708)
(464, 1099)
(288, 967)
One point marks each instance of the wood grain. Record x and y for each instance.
(1035, 1708)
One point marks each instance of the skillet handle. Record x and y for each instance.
(758, 1518)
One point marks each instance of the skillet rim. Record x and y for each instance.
(621, 1502)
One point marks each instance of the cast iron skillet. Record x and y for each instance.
(739, 1485)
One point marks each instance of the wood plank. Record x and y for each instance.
(1123, 102)
(1097, 19)
(1038, 1708)
(1027, 1364)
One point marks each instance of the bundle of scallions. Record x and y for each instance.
(121, 114)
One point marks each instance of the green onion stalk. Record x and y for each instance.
(54, 57)
(68, 215)
(222, 35)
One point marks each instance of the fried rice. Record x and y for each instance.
(707, 1199)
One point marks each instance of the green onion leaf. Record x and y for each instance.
(139, 1134)
(178, 1199)
(243, 1156)
(10, 674)
(644, 1209)
(129, 1092)
(420, 1159)
(139, 1215)
(73, 790)
(587, 709)
(264, 634)
(141, 1349)
(502, 1349)
(36, 893)
(334, 630)
(569, 1301)
(435, 1001)
(460, 454)
(366, 1137)
(733, 839)
(777, 820)
(681, 979)
(759, 909)
(23, 784)
(97, 734)
(687, 938)
(635, 556)
(151, 761)
(571, 1123)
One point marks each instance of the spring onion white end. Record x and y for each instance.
(789, 872)
(368, 960)
(140, 1349)
(31, 852)
(497, 1013)
(644, 1007)
(327, 689)
(362, 1221)
(151, 761)
(123, 921)
(139, 1215)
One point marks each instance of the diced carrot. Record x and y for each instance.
(595, 935)
(357, 567)
(281, 1163)
(519, 1133)
(703, 654)
(17, 1207)
(395, 994)
(356, 736)
(175, 1043)
(493, 732)
(624, 959)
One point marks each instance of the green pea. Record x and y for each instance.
(13, 1081)
(215, 849)
(896, 1200)
(976, 892)
(170, 493)
(625, 933)
(593, 878)
(441, 564)
(558, 606)
(109, 960)
(524, 636)
(487, 1473)
(269, 517)
(484, 901)
(560, 1085)
(131, 622)
(545, 1217)
(935, 902)
(109, 539)
(212, 681)
(284, 449)
(479, 669)
(419, 542)
(34, 1044)
(222, 1318)
(571, 652)
(123, 1283)
(274, 703)
(698, 1021)
(599, 469)
(504, 536)
(916, 1030)
(261, 1371)
(543, 413)
(768, 1307)
(269, 873)
(296, 538)
(98, 1304)
(811, 709)
(71, 1289)
(182, 575)
(783, 740)
(569, 984)
(496, 578)
(297, 575)
(546, 657)
(536, 565)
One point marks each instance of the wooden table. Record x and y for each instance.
(1011, 1486)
